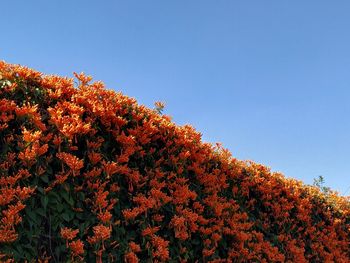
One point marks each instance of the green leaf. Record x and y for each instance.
(32, 215)
(41, 212)
(81, 196)
(59, 207)
(49, 170)
(40, 189)
(44, 201)
(66, 217)
(54, 198)
(79, 216)
(68, 198)
(44, 178)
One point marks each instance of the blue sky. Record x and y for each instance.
(268, 79)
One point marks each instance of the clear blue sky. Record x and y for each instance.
(268, 79)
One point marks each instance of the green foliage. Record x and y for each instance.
(319, 182)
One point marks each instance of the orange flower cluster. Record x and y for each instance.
(76, 247)
(72, 161)
(68, 233)
(101, 233)
(136, 187)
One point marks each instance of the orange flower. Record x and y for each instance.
(83, 78)
(150, 231)
(101, 200)
(114, 188)
(181, 231)
(94, 157)
(131, 257)
(134, 247)
(110, 168)
(60, 179)
(104, 217)
(7, 235)
(101, 233)
(160, 248)
(30, 137)
(77, 247)
(159, 106)
(72, 161)
(29, 155)
(68, 233)
(130, 214)
(208, 252)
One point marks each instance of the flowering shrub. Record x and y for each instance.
(88, 175)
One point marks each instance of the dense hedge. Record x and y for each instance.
(87, 174)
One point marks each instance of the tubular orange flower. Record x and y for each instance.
(72, 161)
(94, 157)
(181, 231)
(134, 247)
(105, 217)
(160, 248)
(68, 233)
(131, 257)
(77, 247)
(149, 231)
(110, 168)
(130, 214)
(83, 78)
(101, 233)
(31, 137)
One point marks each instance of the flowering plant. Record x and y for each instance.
(88, 175)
